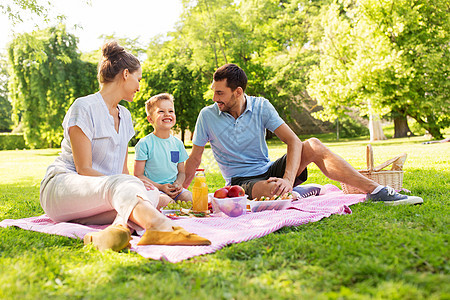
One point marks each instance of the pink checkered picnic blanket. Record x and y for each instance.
(221, 231)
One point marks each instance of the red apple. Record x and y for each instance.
(226, 207)
(236, 191)
(236, 211)
(221, 193)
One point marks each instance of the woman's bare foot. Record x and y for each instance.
(149, 218)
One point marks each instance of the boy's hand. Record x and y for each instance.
(169, 189)
(177, 187)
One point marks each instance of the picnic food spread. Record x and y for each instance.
(271, 203)
(275, 197)
(229, 200)
(181, 209)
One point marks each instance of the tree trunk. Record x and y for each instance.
(435, 131)
(376, 131)
(269, 135)
(401, 128)
(182, 135)
(430, 126)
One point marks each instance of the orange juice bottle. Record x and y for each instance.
(200, 192)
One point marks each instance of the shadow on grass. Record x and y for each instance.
(16, 242)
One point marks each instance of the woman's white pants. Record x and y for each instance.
(67, 196)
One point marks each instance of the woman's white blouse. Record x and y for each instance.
(109, 147)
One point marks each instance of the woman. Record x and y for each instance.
(89, 182)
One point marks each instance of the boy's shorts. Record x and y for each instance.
(275, 170)
(184, 190)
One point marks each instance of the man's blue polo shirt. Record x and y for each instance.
(238, 145)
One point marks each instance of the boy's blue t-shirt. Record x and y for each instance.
(162, 157)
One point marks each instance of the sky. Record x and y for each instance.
(125, 19)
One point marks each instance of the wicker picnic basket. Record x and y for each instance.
(392, 178)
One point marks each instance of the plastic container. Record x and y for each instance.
(200, 192)
(169, 211)
(232, 207)
(256, 206)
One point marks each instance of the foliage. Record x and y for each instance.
(134, 46)
(46, 76)
(349, 128)
(266, 38)
(394, 57)
(210, 29)
(11, 141)
(5, 114)
(16, 9)
(214, 33)
(167, 70)
(376, 252)
(5, 106)
(280, 34)
(386, 57)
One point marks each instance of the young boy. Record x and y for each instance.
(160, 156)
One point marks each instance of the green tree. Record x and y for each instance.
(268, 39)
(280, 30)
(134, 46)
(167, 71)
(183, 63)
(207, 28)
(15, 9)
(390, 55)
(215, 33)
(46, 76)
(5, 106)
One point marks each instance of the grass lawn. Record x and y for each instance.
(377, 252)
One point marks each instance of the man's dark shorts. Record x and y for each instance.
(275, 170)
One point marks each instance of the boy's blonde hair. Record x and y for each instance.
(150, 103)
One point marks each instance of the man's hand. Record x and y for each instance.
(281, 186)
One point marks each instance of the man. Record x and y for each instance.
(235, 126)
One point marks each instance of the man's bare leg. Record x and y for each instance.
(331, 165)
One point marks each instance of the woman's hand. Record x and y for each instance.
(139, 166)
(147, 183)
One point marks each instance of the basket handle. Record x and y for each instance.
(397, 163)
(369, 157)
